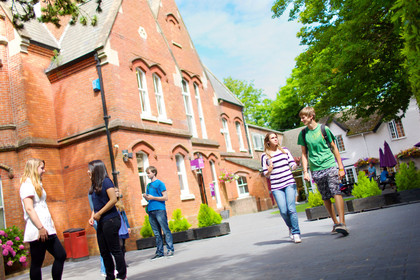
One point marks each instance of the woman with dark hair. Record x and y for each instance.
(39, 230)
(108, 219)
(276, 162)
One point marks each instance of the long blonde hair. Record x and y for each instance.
(31, 172)
(267, 144)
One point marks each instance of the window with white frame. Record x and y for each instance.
(182, 177)
(142, 164)
(226, 134)
(160, 103)
(144, 95)
(200, 112)
(350, 175)
(242, 186)
(188, 108)
(396, 129)
(339, 143)
(239, 133)
(2, 217)
(258, 141)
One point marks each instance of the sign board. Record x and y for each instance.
(197, 164)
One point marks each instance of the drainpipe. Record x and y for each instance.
(106, 119)
(246, 134)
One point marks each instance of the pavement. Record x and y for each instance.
(383, 244)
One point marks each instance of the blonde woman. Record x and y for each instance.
(125, 230)
(276, 163)
(39, 230)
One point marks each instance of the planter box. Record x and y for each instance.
(144, 243)
(183, 236)
(212, 231)
(320, 212)
(409, 195)
(367, 203)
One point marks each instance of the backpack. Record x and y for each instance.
(324, 135)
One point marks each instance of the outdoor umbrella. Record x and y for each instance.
(381, 158)
(417, 145)
(390, 160)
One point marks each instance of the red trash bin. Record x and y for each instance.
(77, 244)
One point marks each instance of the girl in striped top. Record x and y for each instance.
(276, 163)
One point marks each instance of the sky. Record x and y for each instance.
(239, 38)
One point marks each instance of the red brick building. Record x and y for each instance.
(161, 105)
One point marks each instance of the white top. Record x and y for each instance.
(27, 189)
(281, 176)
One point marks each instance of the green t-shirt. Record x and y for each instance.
(320, 156)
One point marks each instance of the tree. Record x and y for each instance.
(256, 106)
(354, 58)
(284, 113)
(52, 11)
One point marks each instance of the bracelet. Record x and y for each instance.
(340, 169)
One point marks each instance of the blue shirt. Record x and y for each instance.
(101, 199)
(156, 188)
(384, 176)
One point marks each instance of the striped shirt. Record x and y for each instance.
(280, 176)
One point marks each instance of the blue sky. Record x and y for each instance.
(238, 38)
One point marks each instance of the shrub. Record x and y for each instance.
(365, 187)
(208, 217)
(12, 248)
(408, 177)
(146, 229)
(315, 199)
(178, 222)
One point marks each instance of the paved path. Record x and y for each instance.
(383, 244)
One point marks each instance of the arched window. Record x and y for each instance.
(215, 183)
(182, 178)
(200, 112)
(160, 102)
(242, 185)
(239, 133)
(188, 108)
(144, 95)
(225, 132)
(142, 164)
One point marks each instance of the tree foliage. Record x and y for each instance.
(52, 11)
(285, 108)
(256, 106)
(354, 58)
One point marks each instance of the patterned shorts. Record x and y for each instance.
(328, 182)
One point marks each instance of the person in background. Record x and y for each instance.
(323, 165)
(125, 230)
(40, 231)
(106, 215)
(156, 195)
(276, 162)
(371, 171)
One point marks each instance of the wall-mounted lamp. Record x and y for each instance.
(126, 155)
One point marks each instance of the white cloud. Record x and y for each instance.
(239, 38)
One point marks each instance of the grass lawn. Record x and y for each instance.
(302, 207)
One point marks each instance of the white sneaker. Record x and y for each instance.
(290, 234)
(296, 238)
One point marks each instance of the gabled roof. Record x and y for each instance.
(222, 92)
(79, 40)
(35, 31)
(352, 125)
(290, 138)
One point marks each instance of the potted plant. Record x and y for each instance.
(209, 223)
(179, 227)
(15, 255)
(148, 240)
(408, 182)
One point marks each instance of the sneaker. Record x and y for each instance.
(333, 230)
(155, 257)
(296, 238)
(121, 278)
(290, 234)
(340, 228)
(103, 274)
(170, 253)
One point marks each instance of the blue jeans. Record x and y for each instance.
(285, 199)
(159, 222)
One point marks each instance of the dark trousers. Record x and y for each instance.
(109, 245)
(38, 249)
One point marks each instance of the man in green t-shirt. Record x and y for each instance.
(322, 163)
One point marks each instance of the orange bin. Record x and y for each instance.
(75, 244)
